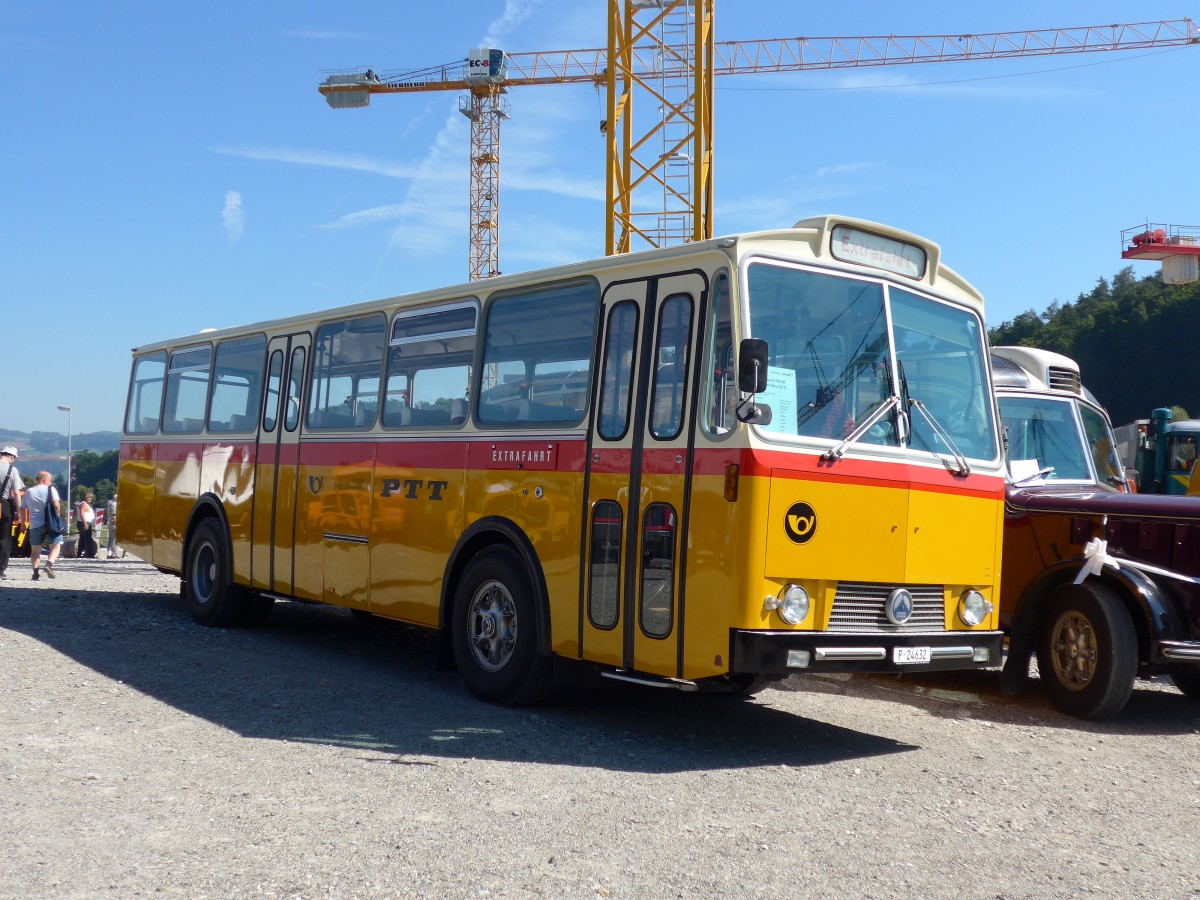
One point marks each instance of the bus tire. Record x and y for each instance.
(494, 630)
(1087, 654)
(208, 590)
(1187, 679)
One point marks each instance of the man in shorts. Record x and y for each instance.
(36, 500)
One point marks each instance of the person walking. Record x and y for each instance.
(110, 519)
(37, 498)
(10, 503)
(85, 518)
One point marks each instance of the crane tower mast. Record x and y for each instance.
(661, 61)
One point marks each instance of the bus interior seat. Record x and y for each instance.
(458, 411)
(364, 417)
(410, 417)
(328, 418)
(496, 412)
(532, 411)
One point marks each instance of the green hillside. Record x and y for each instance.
(1132, 340)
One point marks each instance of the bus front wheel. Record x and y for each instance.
(494, 629)
(209, 592)
(1087, 655)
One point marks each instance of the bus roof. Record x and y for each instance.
(816, 231)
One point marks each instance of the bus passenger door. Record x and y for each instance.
(638, 469)
(275, 490)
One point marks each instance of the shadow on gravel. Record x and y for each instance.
(316, 674)
(1156, 708)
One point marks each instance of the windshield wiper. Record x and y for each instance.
(1046, 470)
(960, 466)
(880, 411)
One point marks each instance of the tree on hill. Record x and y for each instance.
(1131, 338)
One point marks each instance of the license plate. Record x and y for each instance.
(907, 656)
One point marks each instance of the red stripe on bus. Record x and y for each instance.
(338, 453)
(421, 455)
(808, 467)
(611, 461)
(142, 451)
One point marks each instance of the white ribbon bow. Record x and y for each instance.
(1095, 558)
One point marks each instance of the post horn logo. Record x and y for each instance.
(800, 523)
(314, 483)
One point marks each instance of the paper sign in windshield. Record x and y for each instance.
(780, 395)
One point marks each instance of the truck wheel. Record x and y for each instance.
(208, 588)
(1187, 679)
(1087, 655)
(494, 630)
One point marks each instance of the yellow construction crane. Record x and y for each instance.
(661, 57)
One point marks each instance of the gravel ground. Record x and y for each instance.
(325, 757)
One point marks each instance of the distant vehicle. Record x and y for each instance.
(1162, 453)
(1101, 583)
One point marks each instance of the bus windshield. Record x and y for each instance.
(841, 347)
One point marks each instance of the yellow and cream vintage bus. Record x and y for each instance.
(706, 467)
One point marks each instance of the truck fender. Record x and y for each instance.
(1159, 617)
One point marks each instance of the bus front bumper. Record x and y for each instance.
(792, 652)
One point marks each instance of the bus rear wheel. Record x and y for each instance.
(211, 597)
(1087, 655)
(494, 630)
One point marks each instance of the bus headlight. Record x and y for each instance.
(973, 608)
(793, 604)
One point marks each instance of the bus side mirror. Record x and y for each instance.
(752, 366)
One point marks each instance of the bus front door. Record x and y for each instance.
(275, 491)
(638, 465)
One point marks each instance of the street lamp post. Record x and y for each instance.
(67, 410)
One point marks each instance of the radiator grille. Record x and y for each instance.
(858, 606)
(1063, 379)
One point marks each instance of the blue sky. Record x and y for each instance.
(172, 167)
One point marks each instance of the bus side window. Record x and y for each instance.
(669, 389)
(620, 344)
(295, 385)
(274, 385)
(430, 362)
(537, 355)
(187, 389)
(146, 394)
(347, 365)
(237, 384)
(718, 383)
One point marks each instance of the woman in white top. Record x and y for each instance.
(85, 517)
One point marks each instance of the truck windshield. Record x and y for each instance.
(1044, 430)
(834, 343)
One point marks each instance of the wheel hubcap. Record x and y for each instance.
(1075, 651)
(492, 626)
(205, 574)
